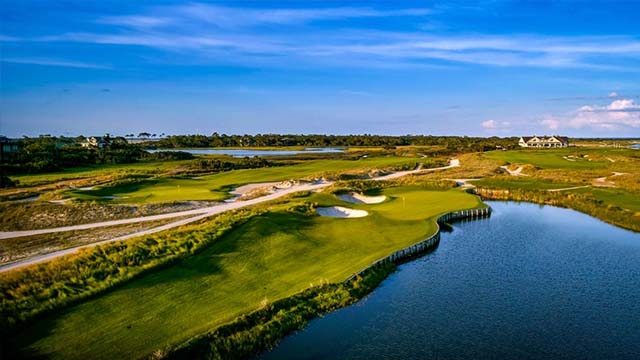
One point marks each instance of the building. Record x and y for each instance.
(95, 142)
(8, 147)
(553, 141)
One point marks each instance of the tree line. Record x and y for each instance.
(464, 143)
(49, 153)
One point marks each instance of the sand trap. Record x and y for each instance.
(356, 198)
(341, 212)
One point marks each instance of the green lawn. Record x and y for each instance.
(551, 158)
(269, 257)
(215, 187)
(523, 182)
(614, 196)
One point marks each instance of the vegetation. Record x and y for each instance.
(31, 291)
(217, 186)
(262, 329)
(29, 215)
(270, 257)
(457, 143)
(13, 249)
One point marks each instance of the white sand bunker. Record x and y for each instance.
(341, 212)
(356, 198)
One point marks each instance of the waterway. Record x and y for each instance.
(240, 153)
(530, 282)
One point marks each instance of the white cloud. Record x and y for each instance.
(55, 62)
(618, 115)
(550, 123)
(613, 94)
(495, 125)
(137, 21)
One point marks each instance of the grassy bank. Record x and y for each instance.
(583, 201)
(262, 329)
(270, 257)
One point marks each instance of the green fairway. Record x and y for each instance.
(551, 158)
(215, 187)
(523, 182)
(270, 257)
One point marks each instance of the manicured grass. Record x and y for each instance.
(550, 158)
(269, 257)
(523, 182)
(615, 197)
(215, 187)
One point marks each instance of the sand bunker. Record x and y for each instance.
(341, 212)
(356, 198)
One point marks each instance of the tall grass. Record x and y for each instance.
(32, 291)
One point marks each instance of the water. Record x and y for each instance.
(240, 153)
(635, 146)
(531, 282)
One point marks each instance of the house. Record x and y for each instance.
(553, 141)
(8, 147)
(95, 142)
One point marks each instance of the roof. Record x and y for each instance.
(563, 139)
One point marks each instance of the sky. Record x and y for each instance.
(485, 68)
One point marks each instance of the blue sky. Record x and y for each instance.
(444, 68)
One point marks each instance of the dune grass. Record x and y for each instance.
(270, 257)
(97, 170)
(216, 187)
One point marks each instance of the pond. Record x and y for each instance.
(240, 153)
(530, 282)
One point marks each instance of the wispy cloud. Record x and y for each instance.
(234, 17)
(249, 35)
(55, 62)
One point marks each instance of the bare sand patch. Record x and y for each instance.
(356, 198)
(341, 212)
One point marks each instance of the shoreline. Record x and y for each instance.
(247, 336)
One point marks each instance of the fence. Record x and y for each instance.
(424, 245)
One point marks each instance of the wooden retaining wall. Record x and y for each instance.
(424, 245)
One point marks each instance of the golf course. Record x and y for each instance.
(271, 256)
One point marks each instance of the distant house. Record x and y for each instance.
(8, 147)
(138, 140)
(98, 142)
(553, 141)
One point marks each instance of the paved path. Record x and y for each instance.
(198, 214)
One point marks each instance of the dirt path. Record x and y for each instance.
(198, 214)
(452, 163)
(569, 188)
(516, 172)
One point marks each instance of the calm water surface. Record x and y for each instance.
(251, 153)
(531, 282)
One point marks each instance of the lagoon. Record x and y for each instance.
(240, 153)
(531, 282)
